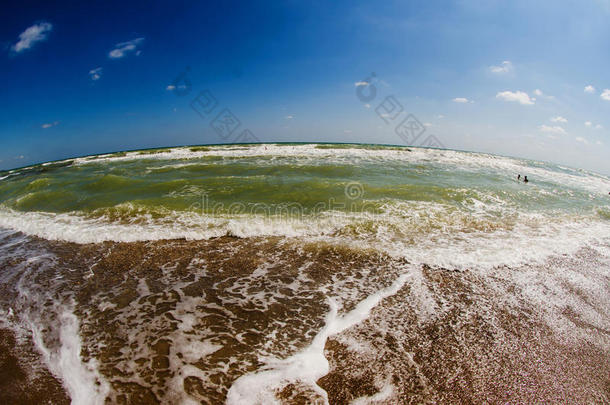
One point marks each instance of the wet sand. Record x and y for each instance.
(19, 384)
(176, 320)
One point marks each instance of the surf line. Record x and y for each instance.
(310, 364)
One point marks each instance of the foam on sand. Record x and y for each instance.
(82, 380)
(310, 364)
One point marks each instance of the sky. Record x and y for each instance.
(521, 78)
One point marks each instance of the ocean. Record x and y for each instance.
(304, 273)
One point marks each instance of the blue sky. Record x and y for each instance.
(517, 78)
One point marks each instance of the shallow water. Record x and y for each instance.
(305, 273)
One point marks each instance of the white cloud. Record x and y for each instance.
(347, 131)
(552, 129)
(363, 83)
(289, 117)
(589, 89)
(427, 124)
(460, 100)
(605, 95)
(559, 119)
(95, 73)
(581, 139)
(504, 67)
(440, 116)
(32, 35)
(49, 125)
(122, 49)
(367, 105)
(171, 87)
(539, 93)
(518, 96)
(589, 124)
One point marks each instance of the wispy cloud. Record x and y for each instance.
(49, 125)
(517, 96)
(559, 119)
(172, 87)
(358, 84)
(95, 73)
(589, 89)
(589, 124)
(124, 48)
(540, 93)
(289, 117)
(552, 129)
(605, 94)
(582, 140)
(504, 67)
(32, 35)
(461, 100)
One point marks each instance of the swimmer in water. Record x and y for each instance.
(525, 180)
(518, 177)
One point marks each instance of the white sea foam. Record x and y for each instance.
(422, 232)
(82, 380)
(51, 323)
(310, 364)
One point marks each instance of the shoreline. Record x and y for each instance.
(174, 314)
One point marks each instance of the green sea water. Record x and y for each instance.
(363, 192)
(169, 179)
